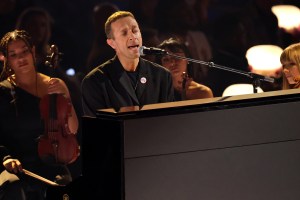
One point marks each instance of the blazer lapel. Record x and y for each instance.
(142, 78)
(126, 83)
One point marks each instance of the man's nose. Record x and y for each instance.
(132, 36)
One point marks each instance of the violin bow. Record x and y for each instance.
(29, 173)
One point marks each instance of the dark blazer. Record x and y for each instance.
(109, 86)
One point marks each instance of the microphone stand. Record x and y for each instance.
(257, 78)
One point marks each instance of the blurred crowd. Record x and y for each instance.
(218, 31)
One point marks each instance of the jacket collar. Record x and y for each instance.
(124, 81)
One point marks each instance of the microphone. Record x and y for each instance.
(151, 50)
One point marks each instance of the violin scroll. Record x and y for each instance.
(53, 57)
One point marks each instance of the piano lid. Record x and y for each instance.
(201, 105)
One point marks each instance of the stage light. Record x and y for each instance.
(265, 60)
(240, 89)
(288, 16)
(70, 72)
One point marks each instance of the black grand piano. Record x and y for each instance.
(224, 148)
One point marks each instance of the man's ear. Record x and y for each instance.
(111, 43)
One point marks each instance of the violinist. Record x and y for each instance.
(185, 88)
(21, 124)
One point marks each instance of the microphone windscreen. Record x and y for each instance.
(151, 51)
(141, 50)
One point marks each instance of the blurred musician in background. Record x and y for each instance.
(185, 87)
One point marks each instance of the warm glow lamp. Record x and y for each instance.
(240, 89)
(265, 60)
(288, 16)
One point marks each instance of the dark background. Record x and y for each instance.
(72, 25)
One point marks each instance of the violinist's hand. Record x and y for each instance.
(178, 84)
(13, 165)
(58, 86)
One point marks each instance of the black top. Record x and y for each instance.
(20, 127)
(109, 86)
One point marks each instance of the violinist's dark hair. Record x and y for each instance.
(6, 39)
(175, 45)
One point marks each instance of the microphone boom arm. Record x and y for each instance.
(257, 77)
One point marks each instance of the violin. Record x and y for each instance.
(57, 145)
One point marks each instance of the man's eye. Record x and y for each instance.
(135, 30)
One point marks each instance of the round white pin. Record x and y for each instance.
(143, 80)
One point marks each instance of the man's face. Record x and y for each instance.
(126, 38)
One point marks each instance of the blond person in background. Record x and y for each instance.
(290, 60)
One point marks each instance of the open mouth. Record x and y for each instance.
(133, 47)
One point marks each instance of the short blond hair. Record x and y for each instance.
(290, 54)
(114, 17)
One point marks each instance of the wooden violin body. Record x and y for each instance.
(57, 145)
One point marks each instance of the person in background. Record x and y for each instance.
(290, 60)
(100, 51)
(185, 87)
(126, 79)
(150, 39)
(260, 23)
(177, 19)
(38, 23)
(229, 41)
(22, 88)
(144, 12)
